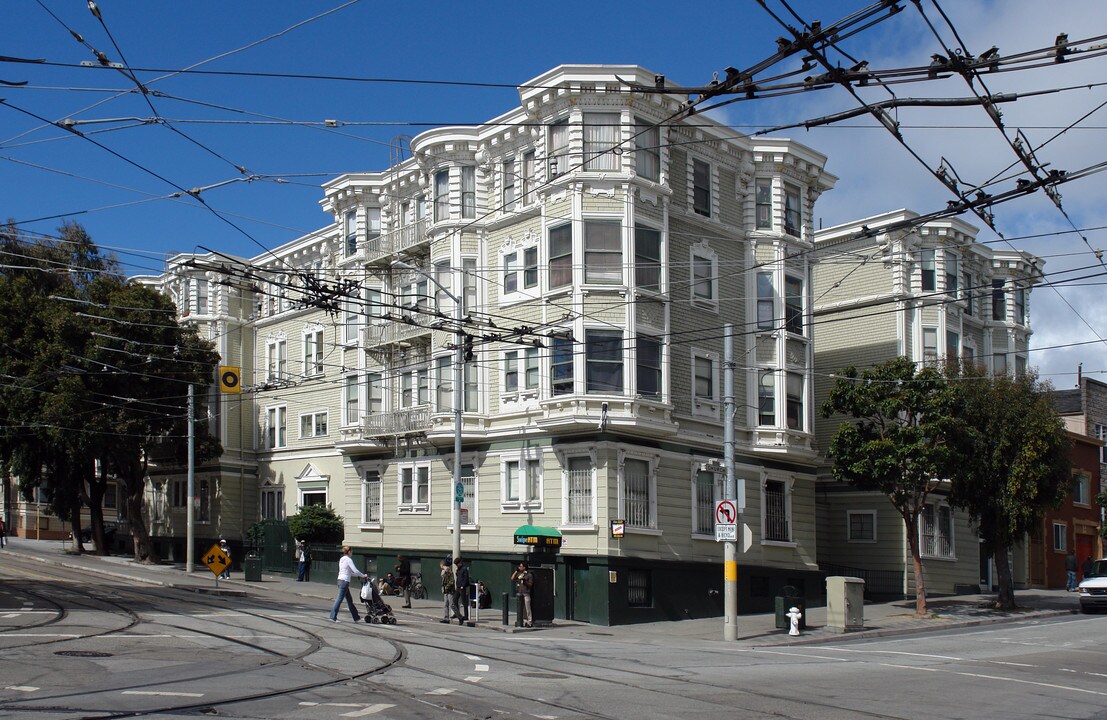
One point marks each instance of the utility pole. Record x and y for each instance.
(189, 519)
(730, 547)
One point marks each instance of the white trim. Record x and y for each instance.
(849, 525)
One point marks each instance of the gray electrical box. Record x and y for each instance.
(845, 603)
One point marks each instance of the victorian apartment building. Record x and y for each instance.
(597, 247)
(926, 291)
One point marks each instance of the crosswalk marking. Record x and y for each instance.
(441, 691)
(480, 668)
(21, 688)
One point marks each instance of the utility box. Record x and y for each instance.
(845, 603)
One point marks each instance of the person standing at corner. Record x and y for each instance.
(461, 591)
(1070, 571)
(1086, 568)
(226, 574)
(446, 569)
(523, 579)
(346, 571)
(403, 571)
(303, 558)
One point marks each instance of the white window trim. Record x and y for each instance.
(849, 517)
(272, 352)
(717, 495)
(310, 368)
(1064, 535)
(521, 393)
(789, 485)
(312, 414)
(704, 252)
(523, 457)
(952, 557)
(274, 411)
(713, 188)
(564, 454)
(414, 507)
(365, 524)
(653, 460)
(1087, 482)
(518, 247)
(706, 407)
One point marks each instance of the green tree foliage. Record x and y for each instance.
(1015, 463)
(316, 524)
(96, 369)
(897, 444)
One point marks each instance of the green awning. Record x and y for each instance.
(547, 538)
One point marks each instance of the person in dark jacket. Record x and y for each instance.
(1070, 571)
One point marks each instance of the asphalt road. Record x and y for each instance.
(79, 646)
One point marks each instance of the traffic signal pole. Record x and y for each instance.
(730, 547)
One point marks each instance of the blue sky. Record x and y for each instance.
(48, 175)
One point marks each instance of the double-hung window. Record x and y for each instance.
(793, 305)
(704, 496)
(579, 492)
(603, 252)
(561, 366)
(999, 300)
(701, 188)
(1101, 433)
(999, 363)
(1081, 489)
(521, 370)
(703, 380)
(352, 392)
(371, 498)
(468, 192)
(766, 397)
(926, 263)
(352, 321)
(638, 493)
(351, 233)
(776, 515)
(951, 274)
(603, 356)
(966, 293)
(272, 504)
(953, 345)
(201, 296)
(528, 177)
(507, 184)
(511, 272)
(601, 134)
(794, 392)
(414, 490)
(861, 525)
(313, 424)
(766, 307)
(557, 149)
(936, 531)
(373, 227)
(648, 366)
(1060, 536)
(647, 258)
(793, 217)
(313, 352)
(703, 278)
(522, 483)
(930, 347)
(647, 153)
(561, 256)
(374, 393)
(763, 204)
(1020, 306)
(277, 360)
(441, 195)
(275, 434)
(444, 398)
(414, 388)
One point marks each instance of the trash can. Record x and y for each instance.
(252, 568)
(790, 598)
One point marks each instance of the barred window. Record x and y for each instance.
(580, 492)
(639, 592)
(637, 503)
(776, 512)
(371, 512)
(704, 510)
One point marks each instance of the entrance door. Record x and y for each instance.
(1085, 546)
(579, 608)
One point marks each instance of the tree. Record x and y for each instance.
(317, 524)
(898, 445)
(1014, 465)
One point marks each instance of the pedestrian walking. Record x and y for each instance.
(3, 531)
(346, 572)
(523, 580)
(449, 586)
(403, 571)
(303, 562)
(1070, 571)
(461, 591)
(226, 574)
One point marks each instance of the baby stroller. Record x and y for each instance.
(376, 610)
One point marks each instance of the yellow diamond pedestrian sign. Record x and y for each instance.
(216, 560)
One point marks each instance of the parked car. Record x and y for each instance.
(109, 533)
(1093, 590)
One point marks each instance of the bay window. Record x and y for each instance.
(561, 256)
(603, 252)
(603, 356)
(601, 134)
(647, 258)
(647, 153)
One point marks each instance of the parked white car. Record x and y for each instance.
(1093, 590)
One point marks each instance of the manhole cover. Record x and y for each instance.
(545, 676)
(82, 653)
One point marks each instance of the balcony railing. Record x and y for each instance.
(395, 241)
(392, 332)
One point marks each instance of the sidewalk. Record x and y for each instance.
(880, 619)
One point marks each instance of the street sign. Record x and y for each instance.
(726, 513)
(459, 493)
(618, 528)
(230, 379)
(726, 532)
(216, 560)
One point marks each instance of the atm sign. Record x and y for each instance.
(538, 540)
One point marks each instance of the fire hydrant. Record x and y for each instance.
(794, 615)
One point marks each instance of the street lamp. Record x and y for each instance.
(459, 359)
